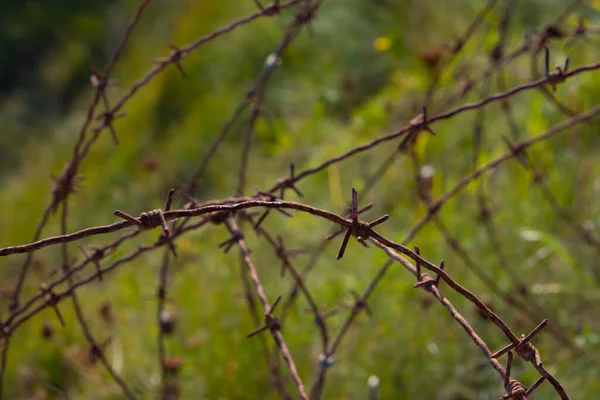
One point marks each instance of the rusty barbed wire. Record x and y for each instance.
(387, 245)
(360, 229)
(363, 231)
(440, 61)
(442, 116)
(550, 32)
(272, 323)
(347, 223)
(63, 185)
(224, 212)
(511, 297)
(254, 95)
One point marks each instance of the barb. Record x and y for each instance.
(360, 229)
(271, 322)
(272, 362)
(284, 255)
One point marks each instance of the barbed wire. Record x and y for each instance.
(233, 212)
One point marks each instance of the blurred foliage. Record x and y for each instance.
(358, 71)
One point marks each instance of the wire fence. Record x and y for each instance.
(241, 214)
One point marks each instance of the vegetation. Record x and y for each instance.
(358, 70)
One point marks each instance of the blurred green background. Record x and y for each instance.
(360, 70)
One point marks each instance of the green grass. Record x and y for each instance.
(415, 348)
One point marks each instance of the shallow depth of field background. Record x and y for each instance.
(357, 72)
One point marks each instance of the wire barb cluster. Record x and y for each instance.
(359, 229)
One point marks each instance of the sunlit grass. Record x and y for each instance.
(355, 77)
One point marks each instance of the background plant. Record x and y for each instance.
(521, 236)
